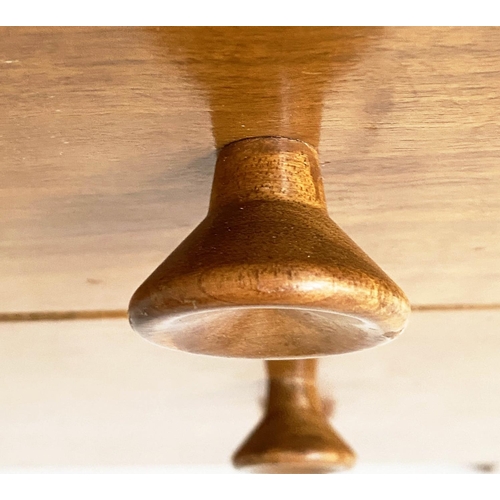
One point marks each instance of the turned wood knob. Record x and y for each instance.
(294, 435)
(267, 274)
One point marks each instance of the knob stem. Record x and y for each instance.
(292, 384)
(278, 169)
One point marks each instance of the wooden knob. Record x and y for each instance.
(267, 274)
(294, 436)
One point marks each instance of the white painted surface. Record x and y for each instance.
(93, 394)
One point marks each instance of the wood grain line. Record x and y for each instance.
(122, 314)
(61, 315)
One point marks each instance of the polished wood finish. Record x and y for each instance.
(107, 150)
(105, 131)
(294, 435)
(267, 274)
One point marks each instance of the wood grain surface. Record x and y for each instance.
(267, 274)
(93, 393)
(108, 138)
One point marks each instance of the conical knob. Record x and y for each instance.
(267, 274)
(294, 436)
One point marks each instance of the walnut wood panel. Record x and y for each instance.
(107, 140)
(93, 393)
